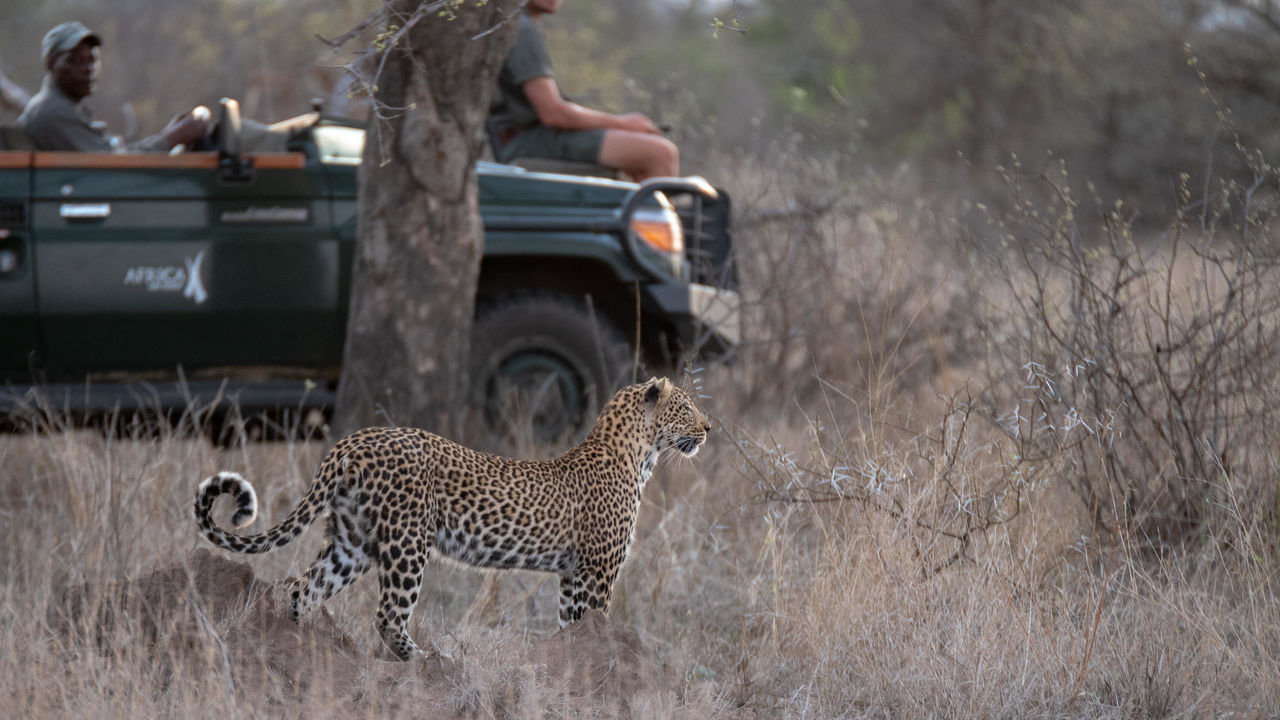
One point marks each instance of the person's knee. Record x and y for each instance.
(663, 158)
(667, 160)
(640, 156)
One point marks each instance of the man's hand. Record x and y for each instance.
(184, 129)
(637, 122)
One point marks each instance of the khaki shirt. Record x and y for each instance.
(54, 121)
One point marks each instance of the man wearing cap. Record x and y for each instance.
(532, 119)
(56, 119)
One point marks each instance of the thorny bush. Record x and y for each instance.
(944, 488)
(1149, 363)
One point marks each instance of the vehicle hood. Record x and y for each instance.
(507, 185)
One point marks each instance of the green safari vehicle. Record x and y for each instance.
(219, 280)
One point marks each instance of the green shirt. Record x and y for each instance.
(528, 59)
(54, 121)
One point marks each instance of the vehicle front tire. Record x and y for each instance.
(543, 364)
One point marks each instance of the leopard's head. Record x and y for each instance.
(677, 422)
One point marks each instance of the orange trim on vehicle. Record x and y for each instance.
(10, 159)
(122, 161)
(157, 161)
(279, 160)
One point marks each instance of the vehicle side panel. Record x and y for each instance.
(19, 336)
(146, 267)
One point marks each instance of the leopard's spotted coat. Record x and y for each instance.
(396, 494)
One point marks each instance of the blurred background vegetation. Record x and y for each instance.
(949, 87)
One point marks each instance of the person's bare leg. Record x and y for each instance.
(639, 155)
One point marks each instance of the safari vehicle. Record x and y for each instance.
(220, 279)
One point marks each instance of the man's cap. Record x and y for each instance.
(66, 36)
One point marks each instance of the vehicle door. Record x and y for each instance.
(19, 339)
(149, 262)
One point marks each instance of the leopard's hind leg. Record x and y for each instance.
(344, 557)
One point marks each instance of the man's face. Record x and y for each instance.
(76, 70)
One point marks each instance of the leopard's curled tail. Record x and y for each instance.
(316, 499)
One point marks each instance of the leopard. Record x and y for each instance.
(398, 496)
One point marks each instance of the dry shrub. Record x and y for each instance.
(953, 581)
(1149, 366)
(887, 553)
(842, 282)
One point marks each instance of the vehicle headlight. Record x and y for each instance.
(659, 227)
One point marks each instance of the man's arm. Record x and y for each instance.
(555, 111)
(51, 127)
(181, 130)
(13, 96)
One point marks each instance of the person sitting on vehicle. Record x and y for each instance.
(56, 118)
(532, 119)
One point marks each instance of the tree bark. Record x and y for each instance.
(420, 239)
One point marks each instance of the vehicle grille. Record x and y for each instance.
(13, 213)
(708, 239)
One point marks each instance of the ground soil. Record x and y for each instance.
(209, 615)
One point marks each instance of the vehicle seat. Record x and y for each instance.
(11, 138)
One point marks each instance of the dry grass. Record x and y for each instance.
(856, 541)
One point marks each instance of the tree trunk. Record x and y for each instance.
(420, 238)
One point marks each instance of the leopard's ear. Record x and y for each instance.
(656, 386)
(651, 395)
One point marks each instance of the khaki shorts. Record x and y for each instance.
(541, 141)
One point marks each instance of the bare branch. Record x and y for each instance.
(510, 16)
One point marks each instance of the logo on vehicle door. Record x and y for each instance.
(170, 278)
(273, 214)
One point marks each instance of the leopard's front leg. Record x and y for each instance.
(401, 565)
(589, 585)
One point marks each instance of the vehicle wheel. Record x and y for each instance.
(542, 366)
